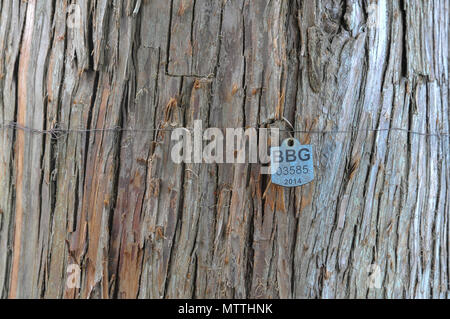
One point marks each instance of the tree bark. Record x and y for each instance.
(140, 226)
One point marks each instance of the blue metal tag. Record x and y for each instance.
(291, 164)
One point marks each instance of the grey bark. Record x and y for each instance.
(139, 225)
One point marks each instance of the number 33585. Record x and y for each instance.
(292, 170)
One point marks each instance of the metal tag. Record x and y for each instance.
(291, 164)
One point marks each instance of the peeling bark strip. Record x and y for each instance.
(140, 226)
(20, 148)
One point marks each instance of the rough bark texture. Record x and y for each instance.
(139, 225)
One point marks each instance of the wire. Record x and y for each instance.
(58, 132)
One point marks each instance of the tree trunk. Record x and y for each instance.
(138, 225)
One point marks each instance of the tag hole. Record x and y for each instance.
(290, 142)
